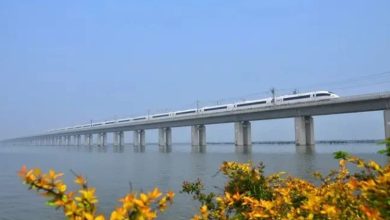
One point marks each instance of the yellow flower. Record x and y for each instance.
(61, 187)
(204, 211)
(80, 180)
(374, 165)
(89, 195)
(329, 210)
(99, 217)
(170, 196)
(154, 194)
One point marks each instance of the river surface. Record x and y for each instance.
(111, 169)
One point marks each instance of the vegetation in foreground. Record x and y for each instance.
(82, 205)
(248, 194)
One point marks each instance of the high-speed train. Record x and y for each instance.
(259, 103)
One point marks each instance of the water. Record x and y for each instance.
(110, 170)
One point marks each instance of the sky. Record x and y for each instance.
(66, 63)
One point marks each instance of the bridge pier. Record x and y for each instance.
(304, 131)
(386, 116)
(198, 135)
(243, 136)
(88, 139)
(78, 140)
(118, 138)
(102, 139)
(164, 139)
(67, 140)
(139, 138)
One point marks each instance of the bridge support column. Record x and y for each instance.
(198, 135)
(118, 138)
(88, 139)
(243, 136)
(386, 116)
(102, 139)
(78, 140)
(98, 139)
(121, 138)
(165, 139)
(139, 138)
(304, 131)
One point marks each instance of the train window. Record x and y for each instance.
(125, 120)
(136, 119)
(110, 122)
(251, 103)
(215, 108)
(185, 112)
(322, 94)
(160, 116)
(296, 97)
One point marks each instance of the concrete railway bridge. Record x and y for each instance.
(302, 112)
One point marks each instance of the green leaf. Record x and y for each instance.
(340, 155)
(50, 203)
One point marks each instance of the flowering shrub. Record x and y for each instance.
(248, 194)
(82, 205)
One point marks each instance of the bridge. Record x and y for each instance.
(302, 112)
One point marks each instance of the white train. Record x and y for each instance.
(280, 100)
